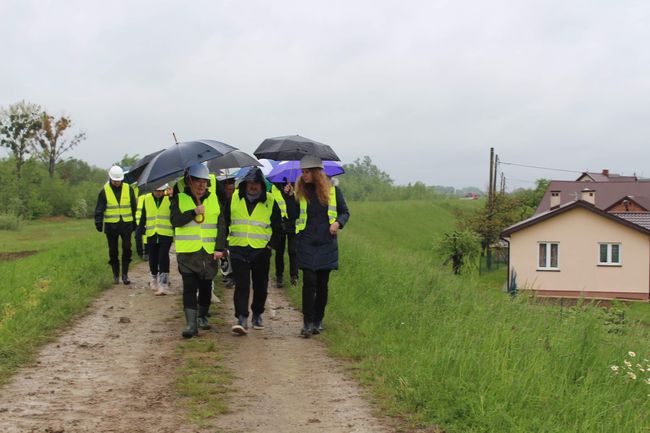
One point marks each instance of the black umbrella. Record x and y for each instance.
(136, 170)
(234, 159)
(293, 148)
(172, 162)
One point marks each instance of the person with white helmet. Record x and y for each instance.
(198, 222)
(323, 213)
(155, 223)
(115, 216)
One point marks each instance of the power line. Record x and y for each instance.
(539, 168)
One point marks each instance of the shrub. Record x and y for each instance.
(9, 221)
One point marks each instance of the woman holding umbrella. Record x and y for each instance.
(323, 212)
(196, 217)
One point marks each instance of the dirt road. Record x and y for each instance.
(113, 371)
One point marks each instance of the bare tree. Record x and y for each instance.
(19, 127)
(51, 145)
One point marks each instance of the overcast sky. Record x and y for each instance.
(422, 87)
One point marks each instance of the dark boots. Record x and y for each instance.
(191, 319)
(203, 317)
(307, 329)
(241, 327)
(257, 321)
(278, 281)
(125, 273)
(116, 272)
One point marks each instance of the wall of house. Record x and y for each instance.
(579, 233)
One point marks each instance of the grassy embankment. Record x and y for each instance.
(461, 354)
(49, 272)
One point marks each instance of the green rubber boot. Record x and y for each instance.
(203, 317)
(191, 330)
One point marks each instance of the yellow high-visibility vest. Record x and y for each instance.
(193, 236)
(158, 217)
(250, 230)
(114, 210)
(279, 199)
(301, 222)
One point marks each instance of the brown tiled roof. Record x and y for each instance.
(639, 218)
(607, 193)
(612, 177)
(644, 202)
(537, 218)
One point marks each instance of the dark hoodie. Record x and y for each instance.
(248, 253)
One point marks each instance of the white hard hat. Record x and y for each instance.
(199, 171)
(116, 173)
(311, 161)
(162, 187)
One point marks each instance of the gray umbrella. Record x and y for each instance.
(172, 162)
(293, 148)
(234, 159)
(136, 170)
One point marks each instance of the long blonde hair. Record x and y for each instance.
(321, 187)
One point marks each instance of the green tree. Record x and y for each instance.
(128, 160)
(51, 145)
(363, 179)
(19, 127)
(461, 248)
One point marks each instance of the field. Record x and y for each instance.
(433, 349)
(49, 272)
(459, 353)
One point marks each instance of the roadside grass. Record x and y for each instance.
(459, 353)
(40, 293)
(202, 381)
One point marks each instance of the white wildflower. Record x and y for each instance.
(627, 363)
(647, 381)
(640, 367)
(632, 354)
(614, 367)
(632, 375)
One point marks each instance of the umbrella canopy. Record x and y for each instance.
(172, 162)
(289, 171)
(265, 165)
(293, 148)
(136, 170)
(234, 159)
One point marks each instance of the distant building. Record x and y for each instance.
(589, 237)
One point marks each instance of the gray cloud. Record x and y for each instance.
(423, 87)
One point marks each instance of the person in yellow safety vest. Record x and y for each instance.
(254, 222)
(180, 185)
(283, 195)
(199, 225)
(140, 238)
(115, 216)
(323, 213)
(155, 222)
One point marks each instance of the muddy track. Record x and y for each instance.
(112, 370)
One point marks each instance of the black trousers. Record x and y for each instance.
(139, 247)
(113, 249)
(159, 257)
(192, 284)
(243, 271)
(314, 294)
(293, 258)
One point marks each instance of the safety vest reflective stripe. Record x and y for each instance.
(114, 210)
(279, 199)
(250, 235)
(253, 229)
(301, 222)
(195, 236)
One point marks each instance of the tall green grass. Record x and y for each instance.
(40, 293)
(459, 352)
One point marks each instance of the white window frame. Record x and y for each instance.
(548, 267)
(609, 254)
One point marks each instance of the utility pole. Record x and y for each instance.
(491, 178)
(490, 208)
(502, 189)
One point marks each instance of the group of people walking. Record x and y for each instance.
(209, 219)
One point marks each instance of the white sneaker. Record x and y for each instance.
(163, 286)
(153, 282)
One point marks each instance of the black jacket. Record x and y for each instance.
(118, 227)
(317, 249)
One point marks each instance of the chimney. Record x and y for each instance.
(588, 195)
(606, 172)
(555, 199)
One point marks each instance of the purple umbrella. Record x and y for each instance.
(288, 171)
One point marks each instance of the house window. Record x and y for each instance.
(549, 256)
(609, 254)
